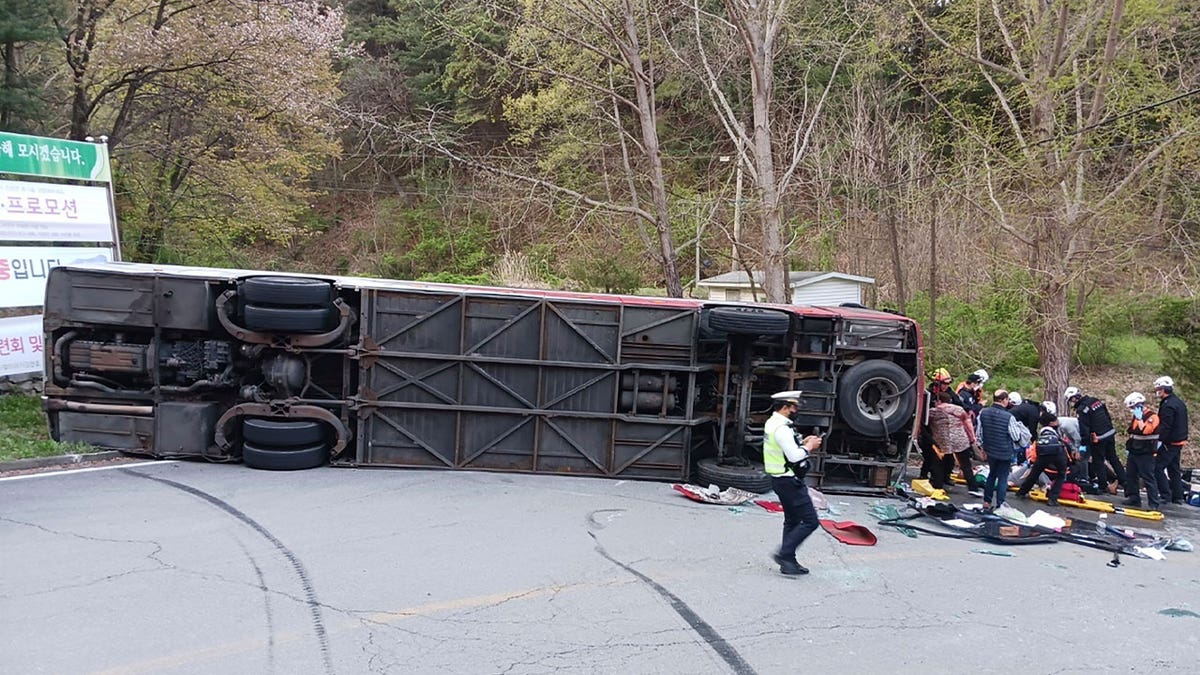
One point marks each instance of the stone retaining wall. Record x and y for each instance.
(29, 384)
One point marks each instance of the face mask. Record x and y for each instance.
(1137, 412)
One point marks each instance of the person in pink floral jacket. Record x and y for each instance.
(954, 435)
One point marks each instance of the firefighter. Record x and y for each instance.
(786, 462)
(1172, 436)
(1051, 455)
(938, 382)
(1097, 434)
(1140, 445)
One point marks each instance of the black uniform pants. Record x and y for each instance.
(1168, 472)
(938, 469)
(799, 515)
(968, 471)
(1141, 467)
(1100, 452)
(928, 456)
(1058, 462)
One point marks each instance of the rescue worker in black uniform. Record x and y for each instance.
(1096, 433)
(1027, 413)
(1140, 445)
(970, 392)
(1173, 435)
(1051, 454)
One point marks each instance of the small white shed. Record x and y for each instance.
(808, 288)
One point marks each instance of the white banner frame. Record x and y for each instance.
(24, 269)
(53, 212)
(22, 348)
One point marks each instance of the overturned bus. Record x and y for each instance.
(284, 371)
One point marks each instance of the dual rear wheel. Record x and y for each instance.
(284, 445)
(287, 304)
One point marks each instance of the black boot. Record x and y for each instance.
(788, 565)
(1133, 501)
(792, 568)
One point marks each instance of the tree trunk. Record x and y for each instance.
(775, 285)
(10, 81)
(1052, 333)
(648, 119)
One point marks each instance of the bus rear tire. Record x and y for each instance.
(288, 319)
(284, 458)
(750, 478)
(280, 432)
(286, 291)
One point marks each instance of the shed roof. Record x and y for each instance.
(795, 279)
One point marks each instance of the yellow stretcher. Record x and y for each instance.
(958, 480)
(923, 487)
(1097, 505)
(1085, 503)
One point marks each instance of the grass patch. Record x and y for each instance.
(1134, 350)
(23, 431)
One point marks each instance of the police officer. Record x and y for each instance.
(1097, 435)
(787, 462)
(1173, 435)
(1141, 443)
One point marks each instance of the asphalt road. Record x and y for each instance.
(196, 568)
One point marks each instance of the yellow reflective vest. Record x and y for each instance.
(774, 461)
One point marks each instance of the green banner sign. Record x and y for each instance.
(53, 158)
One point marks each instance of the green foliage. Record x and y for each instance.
(1134, 350)
(424, 241)
(990, 332)
(607, 273)
(541, 257)
(1179, 325)
(452, 278)
(23, 22)
(23, 431)
(1106, 318)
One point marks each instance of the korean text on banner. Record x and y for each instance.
(21, 348)
(54, 158)
(45, 212)
(23, 270)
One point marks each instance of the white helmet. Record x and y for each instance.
(1164, 382)
(1071, 393)
(1050, 407)
(1015, 398)
(1133, 399)
(982, 374)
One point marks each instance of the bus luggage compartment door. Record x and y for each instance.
(526, 384)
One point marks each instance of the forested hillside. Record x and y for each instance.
(1021, 175)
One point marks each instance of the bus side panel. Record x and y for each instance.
(520, 384)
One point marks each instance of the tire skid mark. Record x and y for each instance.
(267, 610)
(723, 649)
(310, 593)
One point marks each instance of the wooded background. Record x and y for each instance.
(1020, 175)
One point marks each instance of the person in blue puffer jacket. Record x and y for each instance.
(999, 433)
